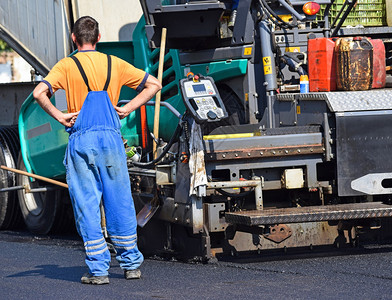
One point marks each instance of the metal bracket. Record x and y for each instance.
(212, 217)
(256, 182)
(278, 233)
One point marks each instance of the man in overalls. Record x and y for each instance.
(95, 159)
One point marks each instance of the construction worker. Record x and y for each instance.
(95, 158)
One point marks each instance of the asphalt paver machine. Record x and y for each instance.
(274, 167)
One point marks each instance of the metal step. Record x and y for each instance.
(310, 214)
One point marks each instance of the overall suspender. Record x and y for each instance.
(79, 65)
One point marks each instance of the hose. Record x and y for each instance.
(279, 21)
(294, 65)
(165, 150)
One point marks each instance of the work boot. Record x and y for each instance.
(132, 274)
(91, 279)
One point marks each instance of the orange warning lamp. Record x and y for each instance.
(311, 8)
(191, 76)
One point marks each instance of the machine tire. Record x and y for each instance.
(65, 221)
(10, 215)
(45, 212)
(235, 110)
(232, 103)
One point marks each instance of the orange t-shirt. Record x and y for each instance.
(65, 75)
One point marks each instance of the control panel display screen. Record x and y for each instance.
(197, 88)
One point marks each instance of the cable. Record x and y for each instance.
(227, 194)
(279, 21)
(165, 150)
(239, 195)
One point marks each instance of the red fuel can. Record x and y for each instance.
(379, 69)
(321, 65)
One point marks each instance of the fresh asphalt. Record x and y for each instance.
(50, 268)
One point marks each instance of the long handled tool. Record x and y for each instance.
(149, 209)
(158, 95)
(59, 183)
(35, 176)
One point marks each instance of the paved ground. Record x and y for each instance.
(50, 268)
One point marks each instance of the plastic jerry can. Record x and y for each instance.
(321, 65)
(354, 64)
(379, 68)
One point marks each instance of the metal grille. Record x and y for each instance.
(347, 101)
(310, 214)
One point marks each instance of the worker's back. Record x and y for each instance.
(95, 65)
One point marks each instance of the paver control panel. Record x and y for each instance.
(202, 99)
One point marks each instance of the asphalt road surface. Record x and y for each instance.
(50, 268)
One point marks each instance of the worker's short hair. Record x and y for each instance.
(86, 31)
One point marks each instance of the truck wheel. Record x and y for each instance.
(232, 103)
(10, 216)
(41, 211)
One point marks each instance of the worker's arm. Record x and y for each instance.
(40, 94)
(151, 87)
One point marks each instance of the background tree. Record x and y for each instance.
(4, 46)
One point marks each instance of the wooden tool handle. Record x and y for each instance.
(35, 176)
(158, 95)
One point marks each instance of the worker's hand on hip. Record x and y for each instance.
(69, 119)
(122, 111)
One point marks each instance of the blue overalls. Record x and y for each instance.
(96, 168)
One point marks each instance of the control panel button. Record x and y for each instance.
(211, 115)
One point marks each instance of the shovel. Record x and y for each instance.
(148, 210)
(145, 214)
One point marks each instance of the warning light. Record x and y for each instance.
(311, 8)
(189, 75)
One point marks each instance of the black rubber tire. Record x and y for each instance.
(45, 212)
(65, 221)
(232, 103)
(235, 110)
(10, 215)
